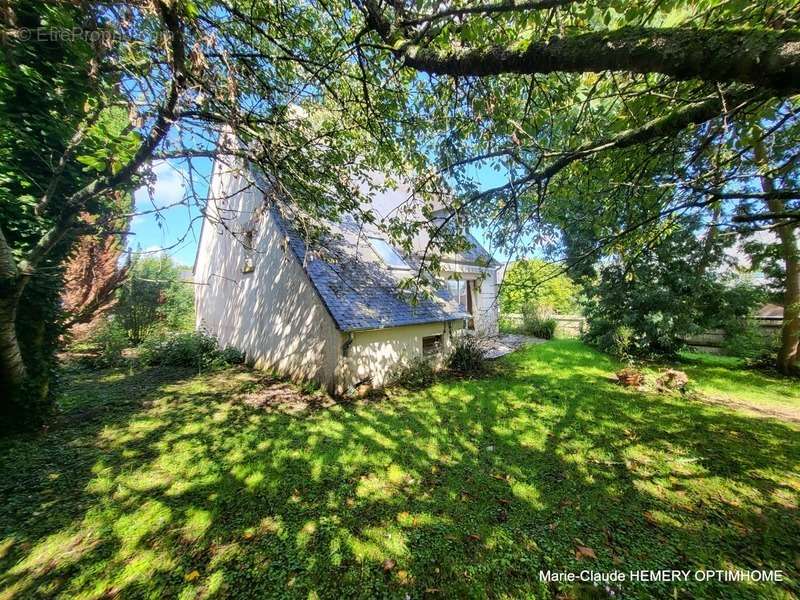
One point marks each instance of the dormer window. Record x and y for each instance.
(388, 254)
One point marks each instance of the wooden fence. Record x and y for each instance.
(711, 341)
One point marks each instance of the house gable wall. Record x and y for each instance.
(272, 313)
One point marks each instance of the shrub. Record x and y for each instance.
(745, 339)
(506, 325)
(108, 341)
(467, 356)
(622, 342)
(152, 299)
(194, 349)
(664, 293)
(232, 356)
(536, 323)
(414, 374)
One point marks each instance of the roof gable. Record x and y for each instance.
(359, 290)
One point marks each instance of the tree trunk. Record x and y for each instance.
(12, 367)
(787, 236)
(790, 332)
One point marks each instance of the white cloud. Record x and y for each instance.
(169, 188)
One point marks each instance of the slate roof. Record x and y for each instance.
(356, 286)
(475, 254)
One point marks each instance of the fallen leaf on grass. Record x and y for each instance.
(584, 552)
(648, 516)
(389, 564)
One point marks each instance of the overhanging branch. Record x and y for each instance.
(765, 58)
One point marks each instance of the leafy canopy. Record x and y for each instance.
(535, 281)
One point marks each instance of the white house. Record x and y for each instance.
(330, 311)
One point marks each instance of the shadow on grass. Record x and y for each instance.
(157, 484)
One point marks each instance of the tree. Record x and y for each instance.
(535, 281)
(646, 301)
(93, 93)
(152, 297)
(317, 96)
(91, 275)
(544, 91)
(48, 106)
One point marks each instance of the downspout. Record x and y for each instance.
(347, 343)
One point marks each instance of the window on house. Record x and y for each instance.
(388, 254)
(461, 290)
(431, 345)
(458, 290)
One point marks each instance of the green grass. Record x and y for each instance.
(726, 378)
(166, 484)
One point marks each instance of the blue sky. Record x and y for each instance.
(166, 228)
(177, 229)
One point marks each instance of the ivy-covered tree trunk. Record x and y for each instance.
(12, 367)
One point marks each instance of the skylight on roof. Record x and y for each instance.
(388, 254)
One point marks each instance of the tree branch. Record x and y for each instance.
(74, 203)
(768, 59)
(670, 124)
(488, 9)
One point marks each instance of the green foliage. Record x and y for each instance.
(534, 281)
(467, 355)
(108, 342)
(537, 323)
(195, 349)
(744, 338)
(658, 296)
(414, 374)
(44, 97)
(170, 486)
(231, 356)
(153, 299)
(622, 343)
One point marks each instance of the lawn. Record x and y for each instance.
(172, 484)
